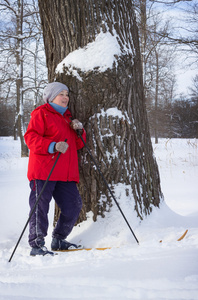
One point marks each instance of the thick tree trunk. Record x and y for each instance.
(110, 103)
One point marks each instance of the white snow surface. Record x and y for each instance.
(150, 270)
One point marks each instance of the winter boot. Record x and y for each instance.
(62, 245)
(40, 251)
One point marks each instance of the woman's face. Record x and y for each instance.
(62, 98)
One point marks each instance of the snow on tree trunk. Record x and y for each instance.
(93, 47)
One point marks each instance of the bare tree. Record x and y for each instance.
(185, 35)
(157, 59)
(109, 101)
(20, 45)
(15, 32)
(194, 89)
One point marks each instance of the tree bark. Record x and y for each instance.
(156, 97)
(120, 142)
(19, 119)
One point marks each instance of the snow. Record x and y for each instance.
(98, 54)
(150, 270)
(113, 111)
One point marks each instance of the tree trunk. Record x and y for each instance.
(19, 119)
(156, 97)
(110, 103)
(143, 35)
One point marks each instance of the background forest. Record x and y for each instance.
(168, 34)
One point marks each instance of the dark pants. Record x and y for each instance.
(67, 198)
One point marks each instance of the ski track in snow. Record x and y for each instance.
(150, 270)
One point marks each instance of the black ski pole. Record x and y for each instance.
(35, 205)
(100, 172)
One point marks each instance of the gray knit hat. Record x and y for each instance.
(52, 90)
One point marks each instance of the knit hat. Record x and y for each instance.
(52, 90)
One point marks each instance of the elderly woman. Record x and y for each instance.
(49, 132)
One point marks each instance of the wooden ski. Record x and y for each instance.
(181, 237)
(87, 249)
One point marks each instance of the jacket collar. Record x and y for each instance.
(51, 109)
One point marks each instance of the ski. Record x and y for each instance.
(106, 248)
(86, 249)
(181, 237)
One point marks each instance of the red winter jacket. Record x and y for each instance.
(46, 126)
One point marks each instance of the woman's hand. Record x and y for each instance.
(61, 147)
(76, 125)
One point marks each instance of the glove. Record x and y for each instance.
(61, 147)
(75, 124)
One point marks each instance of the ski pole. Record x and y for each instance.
(35, 205)
(100, 172)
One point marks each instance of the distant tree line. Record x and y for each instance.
(174, 120)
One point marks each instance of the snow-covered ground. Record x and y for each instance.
(150, 270)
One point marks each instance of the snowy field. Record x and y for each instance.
(150, 270)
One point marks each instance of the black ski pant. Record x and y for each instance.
(67, 198)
